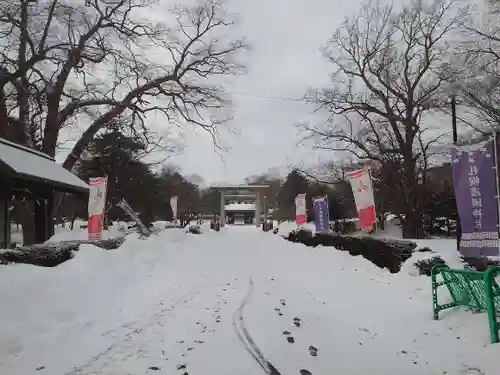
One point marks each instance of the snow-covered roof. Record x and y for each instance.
(28, 164)
(240, 207)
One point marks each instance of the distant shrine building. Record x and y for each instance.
(242, 204)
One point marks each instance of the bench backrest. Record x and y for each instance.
(467, 287)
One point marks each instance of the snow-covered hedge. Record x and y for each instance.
(390, 254)
(109, 244)
(424, 266)
(45, 255)
(53, 253)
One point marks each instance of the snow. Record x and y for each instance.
(178, 300)
(79, 231)
(28, 162)
(240, 207)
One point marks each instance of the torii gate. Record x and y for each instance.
(241, 191)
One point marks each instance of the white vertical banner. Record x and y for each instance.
(300, 209)
(96, 206)
(362, 190)
(173, 204)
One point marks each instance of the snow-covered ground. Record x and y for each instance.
(228, 302)
(79, 231)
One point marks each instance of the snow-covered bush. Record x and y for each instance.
(194, 229)
(53, 253)
(424, 266)
(45, 255)
(389, 254)
(479, 264)
(109, 244)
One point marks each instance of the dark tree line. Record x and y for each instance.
(120, 158)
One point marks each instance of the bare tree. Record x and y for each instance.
(65, 62)
(480, 75)
(390, 67)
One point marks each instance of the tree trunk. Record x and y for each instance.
(87, 136)
(73, 221)
(381, 220)
(412, 224)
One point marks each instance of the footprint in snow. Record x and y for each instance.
(278, 311)
(313, 351)
(305, 372)
(296, 322)
(283, 302)
(289, 337)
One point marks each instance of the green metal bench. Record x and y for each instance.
(473, 289)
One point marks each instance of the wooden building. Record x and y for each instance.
(29, 174)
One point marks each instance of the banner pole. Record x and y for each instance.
(497, 179)
(454, 128)
(375, 225)
(104, 212)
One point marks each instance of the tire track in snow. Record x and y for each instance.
(246, 339)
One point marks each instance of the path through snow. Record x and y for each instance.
(235, 302)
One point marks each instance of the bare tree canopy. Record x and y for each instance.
(69, 62)
(390, 66)
(480, 76)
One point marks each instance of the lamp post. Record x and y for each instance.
(453, 104)
(455, 89)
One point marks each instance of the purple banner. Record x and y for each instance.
(474, 180)
(321, 215)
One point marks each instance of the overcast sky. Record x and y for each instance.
(285, 61)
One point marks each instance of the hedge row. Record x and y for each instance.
(109, 244)
(45, 255)
(53, 254)
(390, 254)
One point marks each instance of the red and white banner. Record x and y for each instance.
(300, 209)
(173, 204)
(97, 203)
(361, 185)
